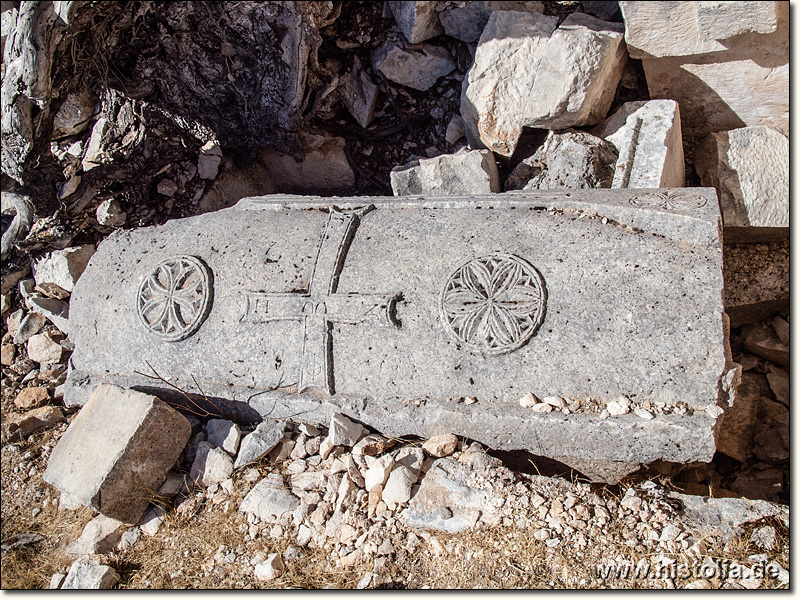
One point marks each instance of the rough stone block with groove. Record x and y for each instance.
(116, 452)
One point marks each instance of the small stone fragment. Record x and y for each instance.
(7, 353)
(32, 397)
(152, 519)
(211, 465)
(90, 575)
(51, 290)
(465, 21)
(359, 94)
(269, 500)
(20, 426)
(55, 311)
(30, 325)
(73, 115)
(441, 445)
(224, 434)
(69, 187)
(256, 445)
(763, 342)
(270, 569)
(528, 400)
(781, 327)
(455, 130)
(99, 536)
(418, 20)
(779, 384)
(344, 432)
(43, 349)
(209, 160)
(167, 187)
(110, 213)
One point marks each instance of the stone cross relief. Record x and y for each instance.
(322, 305)
(490, 305)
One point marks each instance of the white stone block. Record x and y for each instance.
(648, 137)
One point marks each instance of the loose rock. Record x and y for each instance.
(419, 67)
(465, 172)
(62, 267)
(89, 575)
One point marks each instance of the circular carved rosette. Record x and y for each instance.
(493, 304)
(669, 200)
(175, 297)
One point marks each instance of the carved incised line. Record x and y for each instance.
(670, 200)
(175, 298)
(493, 304)
(322, 305)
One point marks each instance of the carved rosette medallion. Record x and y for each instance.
(175, 298)
(669, 200)
(493, 304)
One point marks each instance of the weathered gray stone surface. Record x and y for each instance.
(722, 80)
(465, 172)
(569, 159)
(359, 94)
(418, 67)
(312, 307)
(119, 446)
(452, 498)
(418, 20)
(211, 465)
(224, 434)
(726, 515)
(648, 137)
(465, 20)
(749, 167)
(529, 73)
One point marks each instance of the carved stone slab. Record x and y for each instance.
(425, 316)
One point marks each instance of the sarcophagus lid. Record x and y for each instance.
(423, 316)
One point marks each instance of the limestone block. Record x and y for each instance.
(418, 67)
(117, 451)
(721, 20)
(418, 20)
(648, 137)
(669, 28)
(465, 20)
(62, 267)
(365, 306)
(465, 172)
(528, 73)
(749, 167)
(572, 159)
(720, 84)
